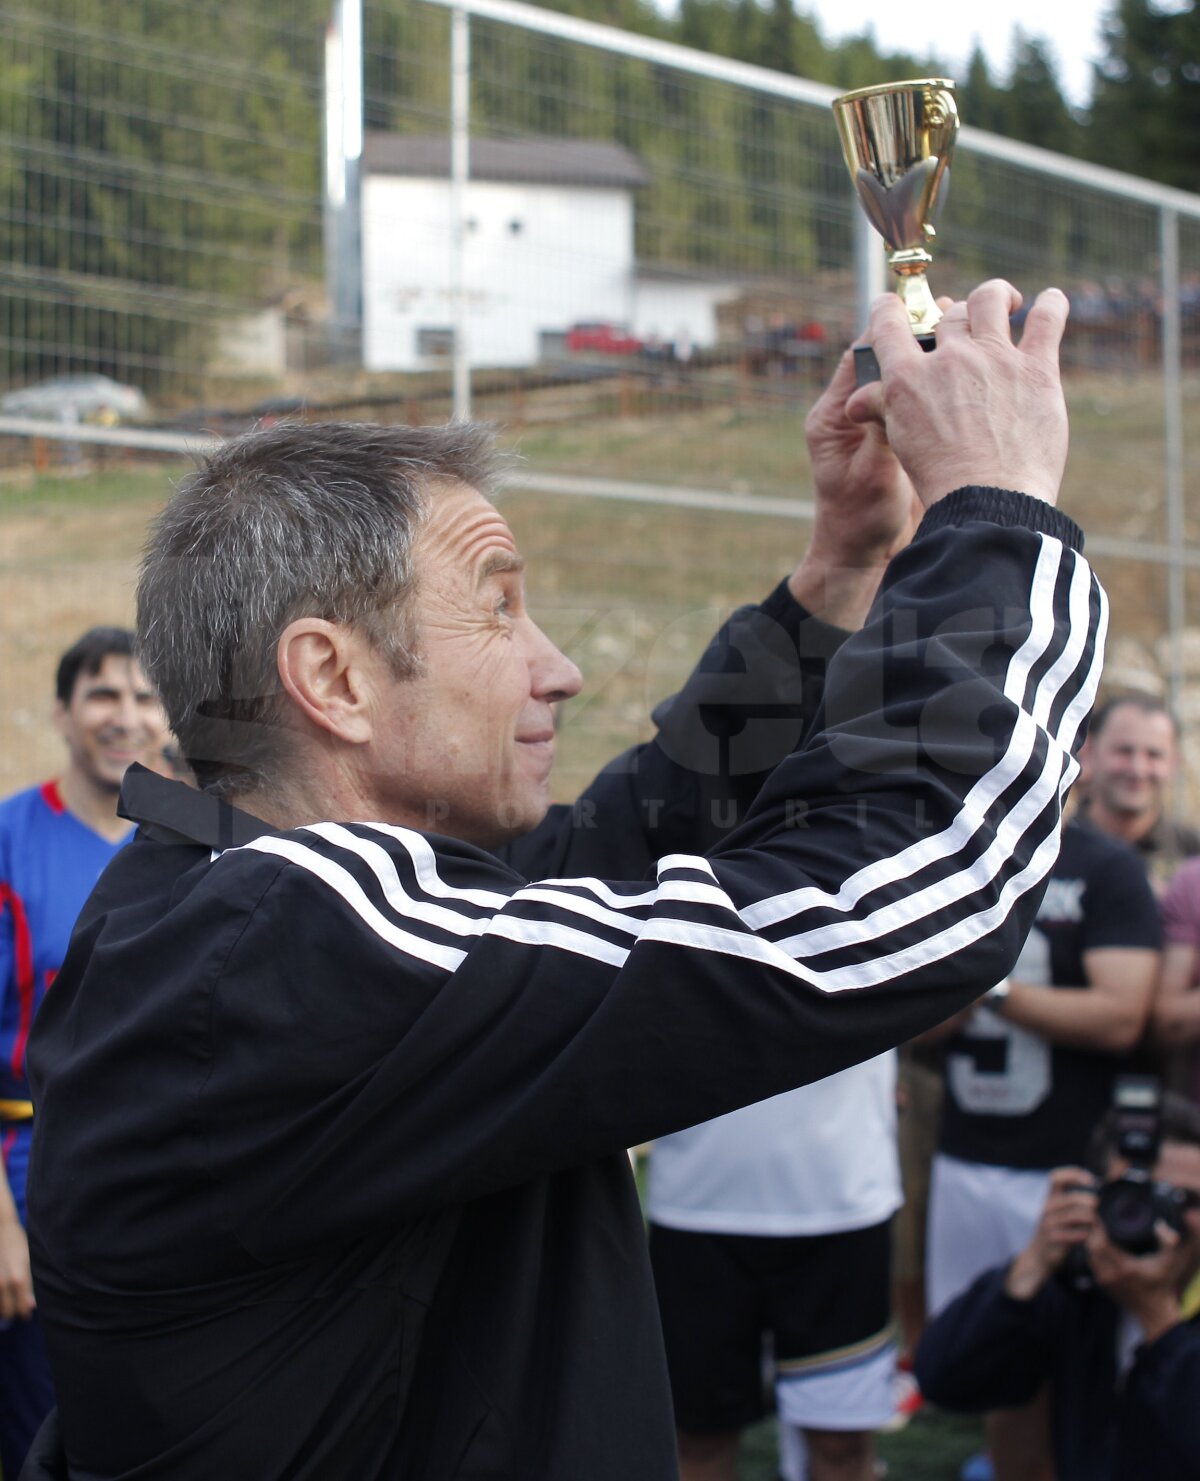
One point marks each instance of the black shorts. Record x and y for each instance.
(822, 1298)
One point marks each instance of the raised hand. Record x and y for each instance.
(1068, 1217)
(866, 507)
(979, 410)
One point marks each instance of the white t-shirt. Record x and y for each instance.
(817, 1160)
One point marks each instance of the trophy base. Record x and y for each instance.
(866, 367)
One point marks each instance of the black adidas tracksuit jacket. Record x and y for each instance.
(328, 1175)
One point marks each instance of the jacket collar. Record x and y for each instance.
(172, 812)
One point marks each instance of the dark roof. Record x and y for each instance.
(529, 161)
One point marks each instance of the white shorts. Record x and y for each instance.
(855, 1394)
(857, 1397)
(980, 1216)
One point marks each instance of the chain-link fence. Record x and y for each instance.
(642, 260)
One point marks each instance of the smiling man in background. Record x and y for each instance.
(1130, 761)
(55, 840)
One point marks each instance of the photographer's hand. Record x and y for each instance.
(1068, 1218)
(980, 410)
(866, 508)
(1147, 1286)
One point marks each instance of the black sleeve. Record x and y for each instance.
(986, 1350)
(477, 1030)
(753, 694)
(1159, 1430)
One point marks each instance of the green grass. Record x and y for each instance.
(932, 1448)
(724, 448)
(95, 489)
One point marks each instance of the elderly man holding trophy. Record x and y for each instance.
(394, 1020)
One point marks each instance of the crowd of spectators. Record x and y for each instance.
(1008, 1104)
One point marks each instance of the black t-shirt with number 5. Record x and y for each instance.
(1012, 1098)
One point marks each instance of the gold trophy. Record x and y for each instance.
(898, 139)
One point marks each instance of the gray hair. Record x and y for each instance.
(296, 520)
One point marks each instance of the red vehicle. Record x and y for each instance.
(607, 339)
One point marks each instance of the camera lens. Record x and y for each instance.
(1127, 1210)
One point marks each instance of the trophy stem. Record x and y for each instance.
(923, 312)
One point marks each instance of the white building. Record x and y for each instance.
(549, 243)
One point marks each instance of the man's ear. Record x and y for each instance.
(324, 668)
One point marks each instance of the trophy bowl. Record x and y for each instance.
(897, 140)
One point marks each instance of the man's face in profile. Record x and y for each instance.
(468, 743)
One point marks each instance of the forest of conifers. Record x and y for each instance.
(160, 159)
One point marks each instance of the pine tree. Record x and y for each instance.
(1145, 113)
(982, 102)
(1035, 108)
(168, 168)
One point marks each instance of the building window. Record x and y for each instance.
(435, 344)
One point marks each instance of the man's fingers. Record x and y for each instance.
(866, 405)
(954, 320)
(1045, 324)
(891, 334)
(843, 376)
(842, 381)
(1168, 1238)
(990, 306)
(833, 398)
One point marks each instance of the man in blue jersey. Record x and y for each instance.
(55, 840)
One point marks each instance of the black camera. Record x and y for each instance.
(1130, 1205)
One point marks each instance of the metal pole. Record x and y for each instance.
(343, 172)
(870, 269)
(352, 139)
(460, 141)
(1172, 353)
(334, 171)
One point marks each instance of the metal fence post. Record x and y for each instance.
(870, 268)
(460, 143)
(343, 109)
(1172, 366)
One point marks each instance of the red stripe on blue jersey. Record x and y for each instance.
(52, 797)
(22, 978)
(49, 863)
